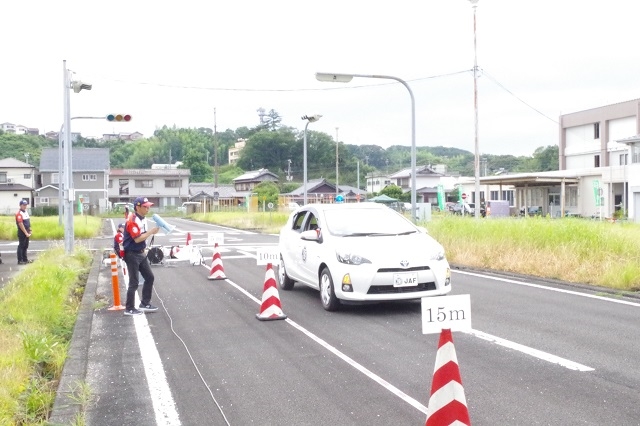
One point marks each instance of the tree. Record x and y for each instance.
(267, 149)
(267, 193)
(393, 191)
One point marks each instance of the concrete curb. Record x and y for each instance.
(65, 407)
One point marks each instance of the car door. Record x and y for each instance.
(311, 251)
(291, 245)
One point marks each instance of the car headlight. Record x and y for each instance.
(438, 254)
(351, 258)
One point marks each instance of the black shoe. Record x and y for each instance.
(133, 312)
(147, 308)
(28, 261)
(21, 262)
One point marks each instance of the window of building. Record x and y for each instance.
(43, 201)
(596, 131)
(144, 183)
(635, 154)
(172, 183)
(624, 159)
(123, 185)
(55, 178)
(596, 161)
(3, 177)
(27, 176)
(89, 177)
(571, 197)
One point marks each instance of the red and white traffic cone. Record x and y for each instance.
(189, 240)
(270, 308)
(447, 404)
(217, 269)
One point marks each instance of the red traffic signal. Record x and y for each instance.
(118, 117)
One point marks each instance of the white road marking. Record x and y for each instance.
(559, 290)
(394, 390)
(163, 403)
(530, 351)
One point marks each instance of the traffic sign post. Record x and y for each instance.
(464, 196)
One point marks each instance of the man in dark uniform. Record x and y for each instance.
(136, 233)
(24, 232)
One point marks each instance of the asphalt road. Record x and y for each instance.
(539, 353)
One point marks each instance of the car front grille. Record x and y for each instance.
(389, 289)
(414, 269)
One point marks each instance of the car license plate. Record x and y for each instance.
(405, 279)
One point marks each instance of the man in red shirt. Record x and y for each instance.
(23, 222)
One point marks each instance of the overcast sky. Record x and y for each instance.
(171, 63)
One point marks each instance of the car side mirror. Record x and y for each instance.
(312, 235)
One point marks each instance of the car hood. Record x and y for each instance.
(415, 248)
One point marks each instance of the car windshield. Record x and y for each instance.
(366, 222)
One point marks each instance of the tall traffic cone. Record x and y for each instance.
(217, 269)
(270, 308)
(447, 404)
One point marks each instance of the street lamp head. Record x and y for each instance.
(339, 78)
(311, 118)
(77, 86)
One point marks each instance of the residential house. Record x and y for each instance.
(376, 181)
(239, 194)
(16, 184)
(19, 129)
(322, 191)
(167, 188)
(427, 180)
(90, 173)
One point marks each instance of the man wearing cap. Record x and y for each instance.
(24, 232)
(136, 232)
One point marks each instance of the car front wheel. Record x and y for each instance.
(286, 283)
(327, 294)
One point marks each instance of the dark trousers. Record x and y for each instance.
(23, 245)
(137, 262)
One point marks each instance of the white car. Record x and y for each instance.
(360, 252)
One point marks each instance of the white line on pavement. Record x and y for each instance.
(543, 287)
(530, 351)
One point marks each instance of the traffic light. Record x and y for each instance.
(119, 117)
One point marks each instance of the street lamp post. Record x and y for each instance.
(69, 193)
(474, 5)
(337, 143)
(309, 119)
(345, 78)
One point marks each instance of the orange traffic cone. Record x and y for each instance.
(270, 308)
(447, 404)
(217, 269)
(189, 241)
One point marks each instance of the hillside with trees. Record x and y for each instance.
(279, 149)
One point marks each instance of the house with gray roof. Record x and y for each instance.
(90, 178)
(166, 188)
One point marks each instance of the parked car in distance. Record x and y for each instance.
(190, 207)
(293, 206)
(469, 209)
(360, 252)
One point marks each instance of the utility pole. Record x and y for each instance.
(337, 160)
(215, 150)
